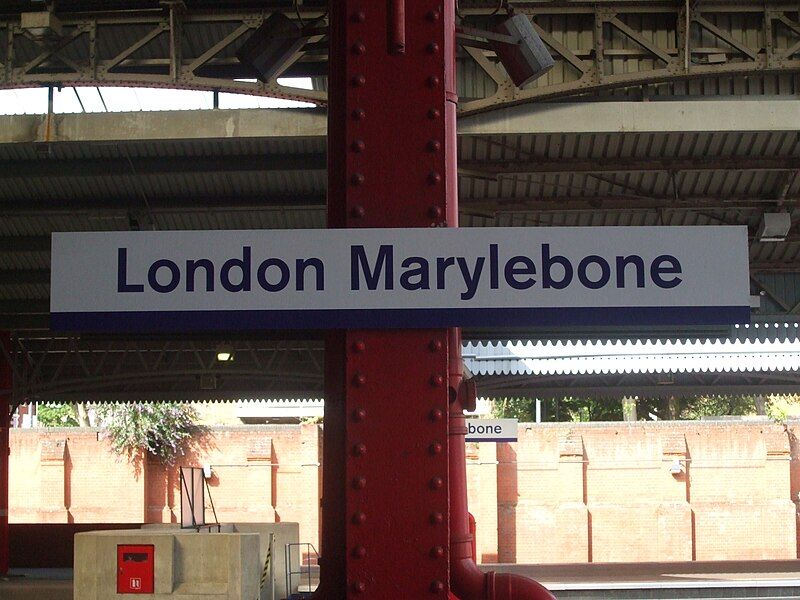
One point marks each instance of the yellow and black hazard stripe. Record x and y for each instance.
(265, 572)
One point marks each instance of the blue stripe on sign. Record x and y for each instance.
(412, 318)
(469, 439)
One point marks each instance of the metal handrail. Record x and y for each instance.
(302, 569)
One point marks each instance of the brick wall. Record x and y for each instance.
(563, 493)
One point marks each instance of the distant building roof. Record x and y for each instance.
(758, 347)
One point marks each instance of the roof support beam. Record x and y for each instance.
(161, 205)
(615, 165)
(637, 117)
(581, 118)
(25, 243)
(26, 169)
(142, 167)
(119, 209)
(24, 277)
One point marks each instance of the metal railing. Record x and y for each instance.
(303, 570)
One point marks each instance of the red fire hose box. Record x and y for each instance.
(135, 567)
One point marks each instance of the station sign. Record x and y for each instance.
(399, 278)
(491, 430)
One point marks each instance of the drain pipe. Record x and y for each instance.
(468, 582)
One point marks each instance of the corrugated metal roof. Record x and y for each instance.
(722, 183)
(626, 356)
(532, 188)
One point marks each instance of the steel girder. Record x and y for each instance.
(611, 45)
(599, 46)
(174, 46)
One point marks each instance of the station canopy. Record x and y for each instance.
(646, 136)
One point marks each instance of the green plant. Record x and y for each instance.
(56, 415)
(161, 429)
(783, 407)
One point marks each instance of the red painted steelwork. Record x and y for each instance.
(473, 528)
(389, 529)
(467, 580)
(397, 26)
(385, 481)
(5, 425)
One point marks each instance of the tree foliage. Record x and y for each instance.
(562, 409)
(56, 415)
(161, 429)
(778, 408)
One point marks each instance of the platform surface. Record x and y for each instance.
(721, 580)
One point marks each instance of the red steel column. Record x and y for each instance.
(5, 424)
(385, 483)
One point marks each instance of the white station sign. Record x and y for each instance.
(491, 430)
(399, 278)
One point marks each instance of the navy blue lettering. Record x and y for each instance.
(175, 276)
(441, 269)
(520, 265)
(122, 274)
(547, 264)
(666, 264)
(385, 260)
(624, 261)
(319, 270)
(493, 267)
(470, 279)
(421, 271)
(262, 275)
(244, 265)
(605, 272)
(191, 269)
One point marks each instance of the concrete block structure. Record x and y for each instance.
(211, 566)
